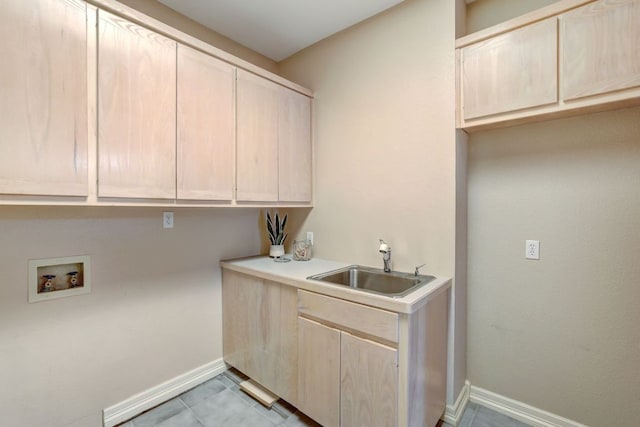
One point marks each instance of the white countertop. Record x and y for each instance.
(295, 273)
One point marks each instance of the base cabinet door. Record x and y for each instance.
(43, 93)
(369, 383)
(344, 380)
(259, 331)
(319, 372)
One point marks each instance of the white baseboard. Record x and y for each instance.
(154, 396)
(453, 413)
(518, 410)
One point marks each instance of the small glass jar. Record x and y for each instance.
(301, 250)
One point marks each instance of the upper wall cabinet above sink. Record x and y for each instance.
(569, 58)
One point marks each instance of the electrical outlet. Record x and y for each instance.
(167, 219)
(310, 237)
(532, 249)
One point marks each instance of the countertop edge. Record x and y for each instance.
(406, 305)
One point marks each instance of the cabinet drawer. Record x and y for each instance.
(355, 317)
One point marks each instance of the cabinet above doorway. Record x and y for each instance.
(569, 58)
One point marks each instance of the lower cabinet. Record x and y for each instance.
(341, 363)
(260, 331)
(319, 372)
(368, 383)
(344, 380)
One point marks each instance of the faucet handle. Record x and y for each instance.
(418, 269)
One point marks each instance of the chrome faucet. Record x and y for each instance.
(385, 250)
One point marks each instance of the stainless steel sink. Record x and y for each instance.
(394, 284)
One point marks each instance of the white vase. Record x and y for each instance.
(276, 251)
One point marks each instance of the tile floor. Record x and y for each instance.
(479, 416)
(220, 402)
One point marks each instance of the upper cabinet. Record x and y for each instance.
(166, 117)
(43, 87)
(103, 105)
(136, 111)
(510, 73)
(206, 126)
(600, 48)
(273, 142)
(257, 138)
(294, 147)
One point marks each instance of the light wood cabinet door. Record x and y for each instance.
(136, 111)
(319, 372)
(294, 147)
(600, 48)
(43, 92)
(259, 322)
(369, 383)
(258, 101)
(206, 126)
(512, 71)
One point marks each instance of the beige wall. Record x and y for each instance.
(153, 313)
(457, 351)
(560, 333)
(384, 137)
(385, 150)
(485, 13)
(167, 15)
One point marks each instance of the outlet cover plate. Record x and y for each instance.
(167, 219)
(532, 249)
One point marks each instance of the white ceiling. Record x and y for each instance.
(278, 28)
